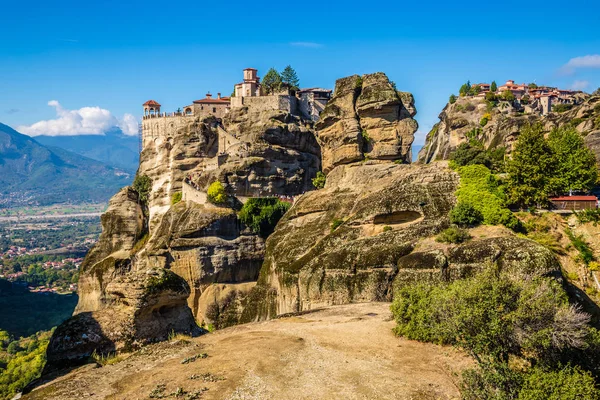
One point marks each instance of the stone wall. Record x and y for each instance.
(265, 103)
(163, 127)
(188, 193)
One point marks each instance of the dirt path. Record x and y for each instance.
(342, 352)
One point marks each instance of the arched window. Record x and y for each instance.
(188, 111)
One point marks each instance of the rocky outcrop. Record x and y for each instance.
(461, 122)
(342, 244)
(366, 118)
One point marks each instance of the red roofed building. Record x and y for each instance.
(209, 106)
(574, 203)
(151, 107)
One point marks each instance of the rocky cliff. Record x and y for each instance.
(463, 120)
(366, 118)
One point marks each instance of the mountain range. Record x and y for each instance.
(113, 148)
(33, 173)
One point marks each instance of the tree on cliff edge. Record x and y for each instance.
(289, 77)
(271, 81)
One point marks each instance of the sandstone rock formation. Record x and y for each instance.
(356, 240)
(366, 118)
(460, 122)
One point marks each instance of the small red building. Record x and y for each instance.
(574, 203)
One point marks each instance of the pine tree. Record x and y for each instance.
(289, 78)
(271, 81)
(532, 169)
(494, 87)
(575, 163)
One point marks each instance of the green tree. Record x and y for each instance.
(465, 89)
(533, 86)
(142, 184)
(452, 99)
(464, 214)
(493, 87)
(216, 193)
(262, 214)
(508, 95)
(576, 167)
(271, 82)
(531, 169)
(289, 78)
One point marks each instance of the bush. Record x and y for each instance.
(453, 235)
(560, 108)
(585, 252)
(387, 228)
(336, 223)
(507, 95)
(452, 99)
(485, 119)
(319, 180)
(480, 189)
(142, 184)
(568, 383)
(176, 198)
(216, 193)
(261, 215)
(464, 214)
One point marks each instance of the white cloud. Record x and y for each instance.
(85, 121)
(579, 85)
(589, 61)
(311, 45)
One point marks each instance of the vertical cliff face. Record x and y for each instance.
(366, 118)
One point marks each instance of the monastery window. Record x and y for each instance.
(214, 109)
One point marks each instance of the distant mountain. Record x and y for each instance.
(114, 148)
(33, 173)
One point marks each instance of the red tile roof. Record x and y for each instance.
(574, 198)
(222, 100)
(151, 103)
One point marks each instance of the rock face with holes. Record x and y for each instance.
(342, 244)
(366, 118)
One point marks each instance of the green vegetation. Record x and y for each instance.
(176, 198)
(261, 214)
(472, 152)
(464, 214)
(290, 78)
(319, 180)
(387, 228)
(271, 82)
(142, 184)
(216, 193)
(539, 167)
(336, 223)
(469, 90)
(561, 108)
(494, 87)
(453, 235)
(507, 95)
(504, 323)
(484, 192)
(21, 361)
(589, 215)
(365, 136)
(487, 117)
(452, 99)
(586, 255)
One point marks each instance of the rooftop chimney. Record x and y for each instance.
(208, 95)
(218, 95)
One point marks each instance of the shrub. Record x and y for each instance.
(507, 95)
(464, 214)
(485, 119)
(142, 184)
(568, 383)
(319, 180)
(452, 99)
(585, 252)
(216, 193)
(261, 215)
(336, 223)
(453, 235)
(387, 228)
(560, 108)
(176, 198)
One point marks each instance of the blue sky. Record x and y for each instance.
(110, 57)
